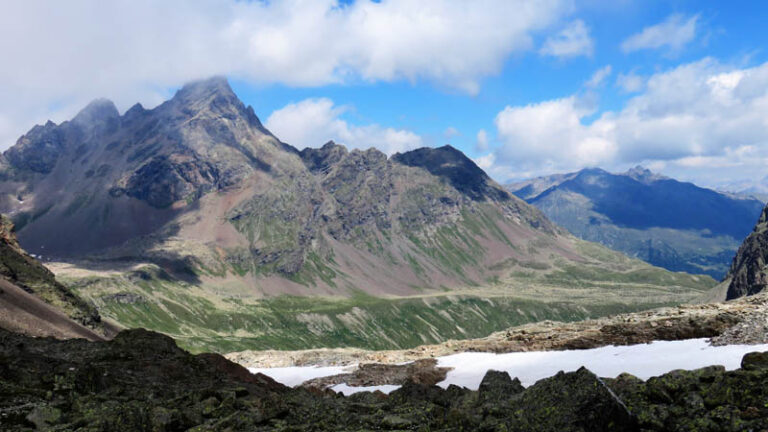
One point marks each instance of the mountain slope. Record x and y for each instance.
(33, 302)
(192, 219)
(667, 223)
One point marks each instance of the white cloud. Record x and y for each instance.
(696, 119)
(630, 82)
(572, 41)
(599, 77)
(481, 143)
(485, 162)
(450, 132)
(57, 56)
(551, 131)
(313, 122)
(673, 33)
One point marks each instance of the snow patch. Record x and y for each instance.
(295, 375)
(348, 390)
(643, 361)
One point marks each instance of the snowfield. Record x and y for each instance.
(295, 375)
(643, 361)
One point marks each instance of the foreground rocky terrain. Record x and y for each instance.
(141, 381)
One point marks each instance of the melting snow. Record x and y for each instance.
(643, 361)
(295, 375)
(348, 390)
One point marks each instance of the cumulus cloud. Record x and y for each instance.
(699, 115)
(630, 82)
(451, 132)
(59, 55)
(540, 134)
(313, 122)
(599, 77)
(481, 142)
(673, 33)
(572, 41)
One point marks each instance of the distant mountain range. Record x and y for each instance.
(668, 223)
(756, 189)
(193, 219)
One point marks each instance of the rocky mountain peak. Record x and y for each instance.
(643, 174)
(97, 112)
(455, 167)
(215, 96)
(321, 159)
(202, 90)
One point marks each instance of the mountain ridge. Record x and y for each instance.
(191, 218)
(676, 225)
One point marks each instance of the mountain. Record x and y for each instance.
(671, 224)
(747, 275)
(193, 219)
(757, 190)
(34, 303)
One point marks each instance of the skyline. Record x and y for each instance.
(525, 88)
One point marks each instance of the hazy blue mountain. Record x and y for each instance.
(668, 223)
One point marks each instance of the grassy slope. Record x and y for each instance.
(216, 314)
(202, 321)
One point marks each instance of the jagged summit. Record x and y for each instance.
(321, 159)
(643, 174)
(99, 110)
(454, 166)
(205, 88)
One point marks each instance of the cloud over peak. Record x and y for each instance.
(126, 50)
(313, 122)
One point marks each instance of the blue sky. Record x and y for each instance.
(514, 84)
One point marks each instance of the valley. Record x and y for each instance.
(227, 315)
(194, 220)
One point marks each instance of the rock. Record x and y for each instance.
(141, 381)
(755, 361)
(498, 384)
(573, 401)
(747, 274)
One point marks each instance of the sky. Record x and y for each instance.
(525, 88)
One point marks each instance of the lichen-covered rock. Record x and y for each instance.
(142, 382)
(755, 361)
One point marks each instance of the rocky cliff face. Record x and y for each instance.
(748, 272)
